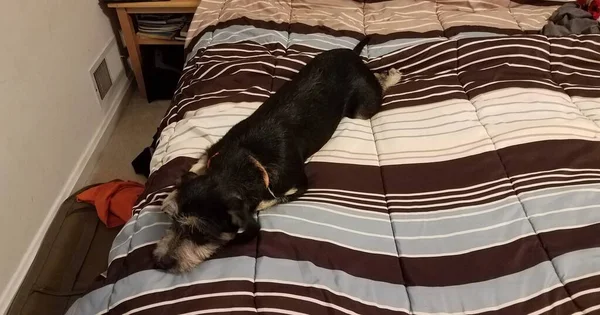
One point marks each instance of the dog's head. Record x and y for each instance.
(205, 216)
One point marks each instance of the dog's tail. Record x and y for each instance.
(361, 45)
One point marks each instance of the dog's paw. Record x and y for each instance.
(169, 204)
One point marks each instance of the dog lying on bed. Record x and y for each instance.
(260, 161)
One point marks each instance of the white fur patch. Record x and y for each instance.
(291, 192)
(200, 167)
(169, 204)
(162, 247)
(189, 255)
(389, 78)
(265, 204)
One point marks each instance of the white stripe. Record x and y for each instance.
(188, 298)
(564, 169)
(424, 89)
(551, 306)
(490, 227)
(502, 57)
(447, 190)
(504, 81)
(498, 307)
(222, 310)
(420, 98)
(132, 250)
(569, 227)
(589, 275)
(554, 182)
(591, 309)
(347, 197)
(497, 39)
(135, 232)
(501, 46)
(470, 250)
(577, 48)
(456, 216)
(562, 210)
(477, 192)
(582, 293)
(424, 50)
(574, 57)
(343, 202)
(555, 175)
(322, 287)
(576, 73)
(348, 191)
(279, 311)
(458, 202)
(307, 299)
(131, 297)
(367, 214)
(201, 77)
(264, 214)
(324, 240)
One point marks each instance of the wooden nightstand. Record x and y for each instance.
(133, 42)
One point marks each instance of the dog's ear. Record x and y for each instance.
(185, 178)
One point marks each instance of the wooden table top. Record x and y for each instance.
(157, 4)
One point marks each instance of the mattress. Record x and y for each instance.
(475, 189)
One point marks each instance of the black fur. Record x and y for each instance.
(281, 134)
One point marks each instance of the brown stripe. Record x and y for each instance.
(558, 185)
(380, 267)
(343, 176)
(317, 294)
(404, 102)
(463, 172)
(564, 241)
(475, 266)
(550, 154)
(295, 305)
(537, 303)
(441, 55)
(588, 300)
(583, 284)
(540, 3)
(207, 303)
(346, 202)
(501, 55)
(190, 291)
(486, 197)
(489, 84)
(455, 30)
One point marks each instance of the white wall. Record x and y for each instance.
(48, 113)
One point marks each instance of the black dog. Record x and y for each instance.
(260, 161)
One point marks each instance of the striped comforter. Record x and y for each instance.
(475, 190)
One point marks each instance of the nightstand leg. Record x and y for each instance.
(133, 48)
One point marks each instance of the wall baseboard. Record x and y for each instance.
(117, 99)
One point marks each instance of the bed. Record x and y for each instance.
(475, 190)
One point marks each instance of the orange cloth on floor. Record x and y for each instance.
(114, 200)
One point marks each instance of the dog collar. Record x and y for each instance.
(260, 167)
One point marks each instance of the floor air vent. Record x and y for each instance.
(102, 79)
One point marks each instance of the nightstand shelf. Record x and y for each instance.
(133, 41)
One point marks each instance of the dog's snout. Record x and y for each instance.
(165, 262)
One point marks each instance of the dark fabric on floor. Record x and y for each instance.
(73, 254)
(570, 19)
